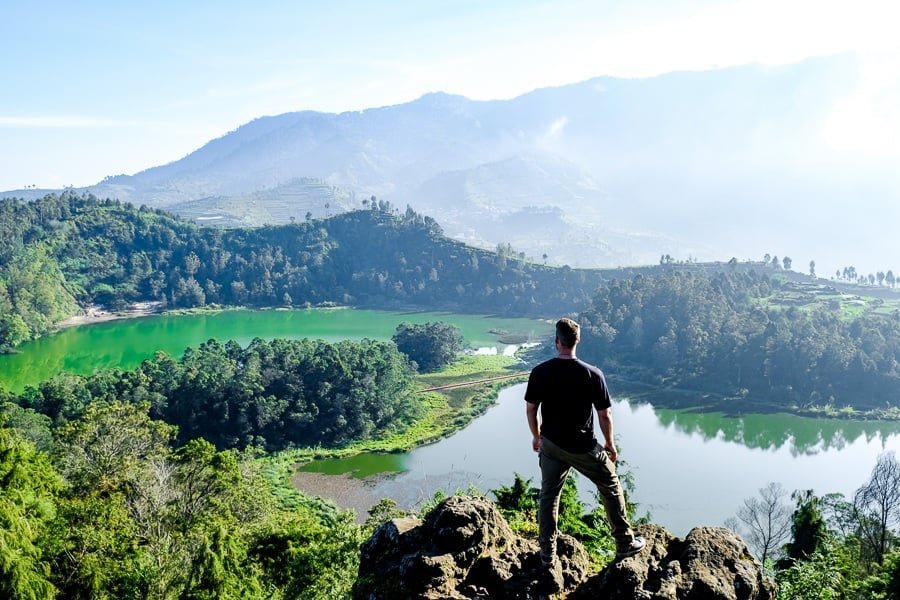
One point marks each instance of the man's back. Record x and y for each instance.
(567, 389)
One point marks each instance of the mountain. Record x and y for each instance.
(527, 201)
(707, 164)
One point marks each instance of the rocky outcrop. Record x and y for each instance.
(465, 549)
(710, 563)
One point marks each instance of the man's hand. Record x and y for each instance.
(611, 451)
(536, 443)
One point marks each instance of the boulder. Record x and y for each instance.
(710, 563)
(465, 549)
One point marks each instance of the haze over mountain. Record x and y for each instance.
(709, 165)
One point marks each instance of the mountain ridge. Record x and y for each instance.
(742, 141)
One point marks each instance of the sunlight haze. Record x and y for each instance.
(104, 88)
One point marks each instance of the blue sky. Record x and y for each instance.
(101, 88)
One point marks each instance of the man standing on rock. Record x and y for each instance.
(567, 391)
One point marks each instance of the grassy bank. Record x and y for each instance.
(444, 412)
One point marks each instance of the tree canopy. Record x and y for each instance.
(431, 346)
(721, 332)
(274, 394)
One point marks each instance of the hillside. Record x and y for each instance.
(68, 251)
(693, 164)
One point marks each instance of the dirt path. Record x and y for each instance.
(474, 382)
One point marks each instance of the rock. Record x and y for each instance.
(465, 549)
(709, 563)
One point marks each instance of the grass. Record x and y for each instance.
(891, 413)
(850, 305)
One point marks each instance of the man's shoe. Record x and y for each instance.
(636, 545)
(551, 576)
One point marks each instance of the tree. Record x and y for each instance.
(884, 583)
(27, 496)
(767, 519)
(787, 261)
(431, 345)
(877, 505)
(816, 578)
(13, 330)
(109, 444)
(812, 268)
(518, 503)
(309, 556)
(808, 529)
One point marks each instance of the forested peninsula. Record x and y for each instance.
(748, 340)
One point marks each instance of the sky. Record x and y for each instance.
(98, 88)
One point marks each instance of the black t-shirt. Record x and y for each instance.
(567, 389)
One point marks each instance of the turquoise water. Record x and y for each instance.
(126, 342)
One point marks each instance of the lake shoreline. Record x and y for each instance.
(94, 313)
(344, 491)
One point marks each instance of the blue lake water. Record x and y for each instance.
(689, 469)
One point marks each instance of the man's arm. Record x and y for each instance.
(531, 410)
(606, 426)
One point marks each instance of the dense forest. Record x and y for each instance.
(116, 510)
(274, 395)
(730, 333)
(65, 251)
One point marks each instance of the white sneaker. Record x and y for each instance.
(636, 545)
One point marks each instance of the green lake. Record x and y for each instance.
(126, 342)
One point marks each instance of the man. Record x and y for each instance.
(566, 390)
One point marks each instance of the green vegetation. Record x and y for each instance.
(519, 504)
(756, 340)
(443, 411)
(837, 548)
(117, 505)
(67, 251)
(150, 482)
(431, 346)
(744, 341)
(115, 511)
(274, 395)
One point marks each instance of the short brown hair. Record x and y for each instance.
(568, 332)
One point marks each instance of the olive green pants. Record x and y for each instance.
(600, 470)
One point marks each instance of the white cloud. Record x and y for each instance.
(556, 127)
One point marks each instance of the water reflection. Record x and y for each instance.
(801, 435)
